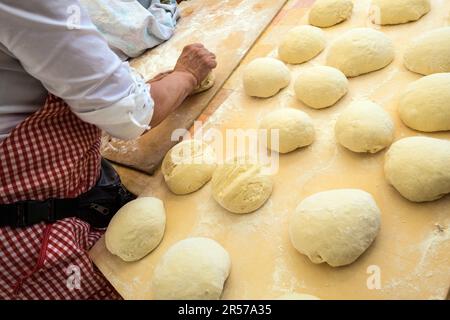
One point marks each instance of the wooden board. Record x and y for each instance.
(412, 251)
(228, 28)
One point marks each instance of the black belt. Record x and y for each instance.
(26, 213)
(97, 206)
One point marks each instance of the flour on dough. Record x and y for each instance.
(136, 229)
(327, 13)
(301, 44)
(295, 129)
(398, 11)
(359, 51)
(364, 127)
(425, 105)
(429, 52)
(241, 185)
(265, 77)
(320, 87)
(191, 269)
(188, 166)
(419, 168)
(335, 226)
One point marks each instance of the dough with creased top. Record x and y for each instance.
(335, 226)
(241, 185)
(188, 166)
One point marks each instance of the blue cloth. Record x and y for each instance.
(131, 27)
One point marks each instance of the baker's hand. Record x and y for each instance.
(196, 60)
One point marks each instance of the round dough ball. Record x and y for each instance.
(136, 229)
(295, 129)
(192, 269)
(359, 51)
(297, 296)
(320, 87)
(429, 53)
(188, 166)
(265, 77)
(364, 127)
(335, 226)
(327, 13)
(398, 11)
(241, 186)
(301, 44)
(425, 105)
(419, 168)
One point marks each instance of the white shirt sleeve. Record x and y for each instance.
(76, 64)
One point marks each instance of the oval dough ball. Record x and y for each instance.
(398, 11)
(241, 186)
(425, 105)
(419, 168)
(320, 87)
(192, 269)
(364, 127)
(136, 229)
(327, 13)
(265, 77)
(301, 44)
(188, 166)
(335, 226)
(295, 127)
(359, 51)
(429, 53)
(297, 296)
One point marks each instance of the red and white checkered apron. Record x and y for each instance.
(52, 154)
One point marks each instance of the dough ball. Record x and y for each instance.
(301, 44)
(206, 84)
(136, 229)
(297, 296)
(320, 87)
(265, 77)
(419, 168)
(241, 186)
(398, 11)
(327, 13)
(192, 269)
(295, 129)
(429, 53)
(359, 51)
(364, 127)
(425, 105)
(335, 226)
(188, 166)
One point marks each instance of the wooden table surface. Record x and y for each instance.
(412, 251)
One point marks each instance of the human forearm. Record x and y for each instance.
(169, 92)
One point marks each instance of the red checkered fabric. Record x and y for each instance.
(52, 154)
